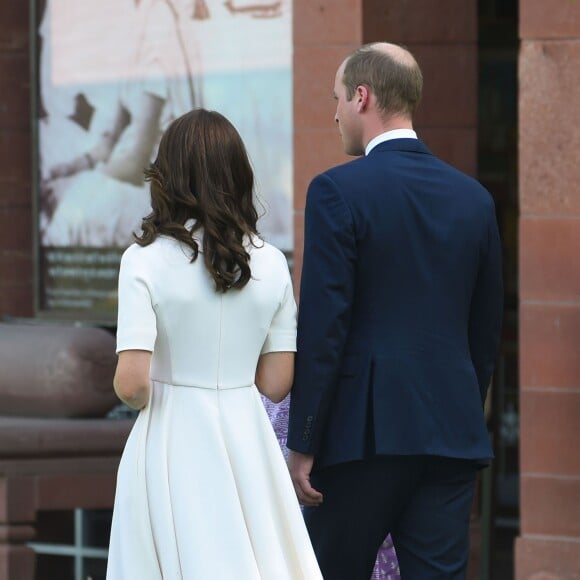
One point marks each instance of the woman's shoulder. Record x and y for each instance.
(132, 253)
(267, 262)
(158, 249)
(266, 251)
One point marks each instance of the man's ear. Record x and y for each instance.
(362, 96)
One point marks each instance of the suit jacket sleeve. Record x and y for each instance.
(326, 293)
(486, 312)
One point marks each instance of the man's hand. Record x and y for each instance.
(300, 466)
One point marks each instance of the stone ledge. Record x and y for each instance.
(22, 437)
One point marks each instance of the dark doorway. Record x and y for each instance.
(497, 170)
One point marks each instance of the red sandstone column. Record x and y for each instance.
(16, 297)
(443, 37)
(325, 31)
(17, 517)
(549, 174)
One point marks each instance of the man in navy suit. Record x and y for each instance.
(398, 332)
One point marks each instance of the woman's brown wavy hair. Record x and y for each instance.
(202, 172)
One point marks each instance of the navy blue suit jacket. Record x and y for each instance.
(400, 310)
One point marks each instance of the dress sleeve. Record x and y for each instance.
(282, 333)
(136, 321)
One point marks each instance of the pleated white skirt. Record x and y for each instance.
(203, 493)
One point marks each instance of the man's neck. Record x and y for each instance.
(384, 125)
(388, 135)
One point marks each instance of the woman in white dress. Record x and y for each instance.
(206, 322)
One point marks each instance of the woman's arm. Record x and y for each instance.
(274, 375)
(131, 380)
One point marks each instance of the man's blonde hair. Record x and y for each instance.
(395, 79)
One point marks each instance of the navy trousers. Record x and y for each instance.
(424, 502)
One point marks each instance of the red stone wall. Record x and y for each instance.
(325, 31)
(549, 177)
(442, 36)
(16, 266)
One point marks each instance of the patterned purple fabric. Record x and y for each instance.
(386, 566)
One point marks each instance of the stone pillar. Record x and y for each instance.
(442, 36)
(325, 31)
(16, 266)
(549, 287)
(17, 517)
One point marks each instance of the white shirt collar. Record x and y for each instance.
(388, 135)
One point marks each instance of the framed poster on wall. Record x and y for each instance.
(109, 77)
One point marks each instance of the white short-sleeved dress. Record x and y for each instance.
(203, 492)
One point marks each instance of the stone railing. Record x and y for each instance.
(57, 449)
